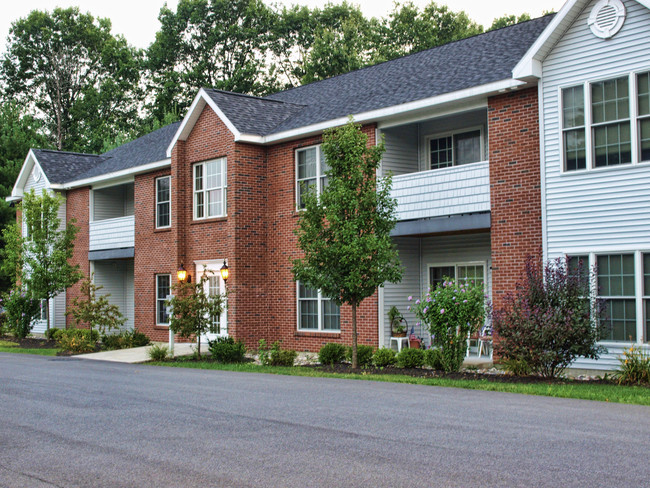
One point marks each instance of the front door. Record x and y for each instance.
(214, 285)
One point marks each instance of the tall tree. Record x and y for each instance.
(80, 79)
(18, 133)
(214, 43)
(345, 232)
(40, 259)
(408, 30)
(507, 20)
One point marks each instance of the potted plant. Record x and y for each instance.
(397, 322)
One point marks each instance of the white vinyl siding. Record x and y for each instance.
(163, 202)
(113, 202)
(117, 279)
(210, 189)
(316, 312)
(600, 209)
(112, 233)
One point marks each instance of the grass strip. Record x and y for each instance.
(20, 350)
(582, 390)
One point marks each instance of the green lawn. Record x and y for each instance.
(570, 389)
(8, 346)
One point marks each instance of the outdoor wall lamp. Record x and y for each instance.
(224, 271)
(182, 275)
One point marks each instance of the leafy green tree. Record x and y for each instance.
(409, 30)
(194, 311)
(74, 74)
(18, 133)
(506, 20)
(40, 260)
(94, 310)
(345, 232)
(214, 43)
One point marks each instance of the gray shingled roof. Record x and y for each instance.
(62, 166)
(466, 63)
(253, 115)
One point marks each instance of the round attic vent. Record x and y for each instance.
(607, 18)
(36, 173)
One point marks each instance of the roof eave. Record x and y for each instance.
(18, 191)
(144, 168)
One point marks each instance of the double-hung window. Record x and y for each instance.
(462, 272)
(316, 312)
(163, 289)
(616, 287)
(455, 149)
(646, 295)
(163, 202)
(210, 189)
(598, 123)
(310, 173)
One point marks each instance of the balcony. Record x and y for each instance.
(112, 233)
(457, 190)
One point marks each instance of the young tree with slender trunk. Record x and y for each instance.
(345, 231)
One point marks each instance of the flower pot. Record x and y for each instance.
(414, 343)
(399, 334)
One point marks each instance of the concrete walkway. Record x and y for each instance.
(137, 354)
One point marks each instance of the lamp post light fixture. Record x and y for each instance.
(224, 271)
(182, 275)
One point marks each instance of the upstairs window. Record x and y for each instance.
(163, 202)
(310, 173)
(210, 188)
(610, 112)
(643, 108)
(573, 116)
(454, 149)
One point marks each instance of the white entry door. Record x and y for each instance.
(214, 285)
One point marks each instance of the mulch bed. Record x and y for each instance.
(463, 375)
(32, 343)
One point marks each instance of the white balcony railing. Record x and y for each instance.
(440, 192)
(112, 233)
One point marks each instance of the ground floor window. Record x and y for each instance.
(163, 289)
(43, 313)
(316, 312)
(461, 271)
(623, 282)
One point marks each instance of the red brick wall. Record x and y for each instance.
(515, 193)
(77, 208)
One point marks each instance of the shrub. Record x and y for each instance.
(3, 320)
(137, 339)
(384, 357)
(21, 312)
(364, 355)
(332, 353)
(226, 350)
(77, 340)
(433, 358)
(450, 312)
(517, 367)
(551, 320)
(125, 339)
(158, 352)
(95, 310)
(50, 333)
(634, 368)
(410, 358)
(275, 356)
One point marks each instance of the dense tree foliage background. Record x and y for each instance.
(68, 83)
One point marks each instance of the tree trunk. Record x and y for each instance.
(198, 345)
(47, 314)
(354, 336)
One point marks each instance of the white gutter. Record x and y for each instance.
(145, 168)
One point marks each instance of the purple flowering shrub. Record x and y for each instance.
(450, 312)
(551, 320)
(21, 310)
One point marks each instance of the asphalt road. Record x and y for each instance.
(69, 422)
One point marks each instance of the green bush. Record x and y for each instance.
(124, 340)
(384, 357)
(410, 358)
(50, 333)
(3, 321)
(331, 353)
(364, 355)
(517, 367)
(226, 350)
(158, 352)
(282, 357)
(21, 312)
(634, 368)
(77, 340)
(434, 359)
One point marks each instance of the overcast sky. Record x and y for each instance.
(137, 20)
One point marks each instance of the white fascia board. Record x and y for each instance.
(395, 110)
(527, 68)
(18, 190)
(201, 99)
(105, 179)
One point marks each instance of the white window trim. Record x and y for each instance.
(224, 187)
(439, 135)
(158, 299)
(320, 300)
(634, 123)
(319, 173)
(213, 266)
(456, 264)
(168, 177)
